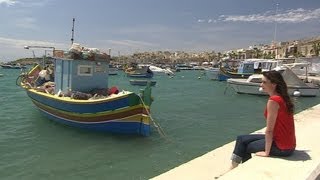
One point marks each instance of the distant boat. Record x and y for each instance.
(179, 67)
(160, 71)
(139, 72)
(225, 74)
(247, 68)
(113, 70)
(212, 73)
(142, 82)
(13, 66)
(296, 87)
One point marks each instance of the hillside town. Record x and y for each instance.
(308, 47)
(303, 48)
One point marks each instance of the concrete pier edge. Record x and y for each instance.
(303, 164)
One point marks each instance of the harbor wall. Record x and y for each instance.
(303, 164)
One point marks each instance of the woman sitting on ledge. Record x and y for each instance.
(279, 138)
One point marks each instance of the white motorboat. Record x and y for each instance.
(113, 70)
(160, 71)
(296, 86)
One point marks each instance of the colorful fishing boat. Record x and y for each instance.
(245, 69)
(79, 95)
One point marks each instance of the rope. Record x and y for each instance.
(225, 90)
(20, 79)
(17, 80)
(155, 124)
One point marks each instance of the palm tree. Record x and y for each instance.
(257, 53)
(219, 56)
(316, 48)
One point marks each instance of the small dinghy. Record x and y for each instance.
(142, 82)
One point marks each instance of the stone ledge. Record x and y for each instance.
(303, 164)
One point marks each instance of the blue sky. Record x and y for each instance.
(129, 26)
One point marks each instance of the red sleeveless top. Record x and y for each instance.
(283, 132)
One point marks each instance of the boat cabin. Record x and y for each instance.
(80, 75)
(246, 67)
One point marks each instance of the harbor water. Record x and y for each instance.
(196, 114)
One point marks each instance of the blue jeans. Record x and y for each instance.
(252, 143)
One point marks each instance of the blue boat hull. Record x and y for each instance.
(112, 127)
(123, 115)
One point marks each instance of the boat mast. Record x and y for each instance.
(275, 31)
(72, 31)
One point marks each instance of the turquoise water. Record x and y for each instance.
(195, 114)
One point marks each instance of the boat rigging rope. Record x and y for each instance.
(19, 79)
(22, 78)
(157, 125)
(225, 90)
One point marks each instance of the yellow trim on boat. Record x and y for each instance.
(35, 67)
(120, 110)
(112, 97)
(137, 118)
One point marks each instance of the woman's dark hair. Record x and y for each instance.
(275, 77)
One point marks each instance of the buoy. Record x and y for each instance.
(199, 77)
(296, 93)
(260, 89)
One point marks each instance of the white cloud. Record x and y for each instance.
(14, 48)
(288, 16)
(34, 3)
(206, 21)
(26, 22)
(130, 43)
(151, 28)
(30, 3)
(20, 43)
(8, 2)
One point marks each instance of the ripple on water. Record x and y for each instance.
(195, 114)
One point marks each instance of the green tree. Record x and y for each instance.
(219, 55)
(316, 48)
(258, 53)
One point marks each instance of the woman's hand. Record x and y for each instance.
(262, 153)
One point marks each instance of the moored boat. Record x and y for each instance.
(213, 73)
(13, 66)
(112, 70)
(142, 82)
(80, 96)
(247, 68)
(160, 71)
(296, 87)
(179, 67)
(244, 71)
(139, 72)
